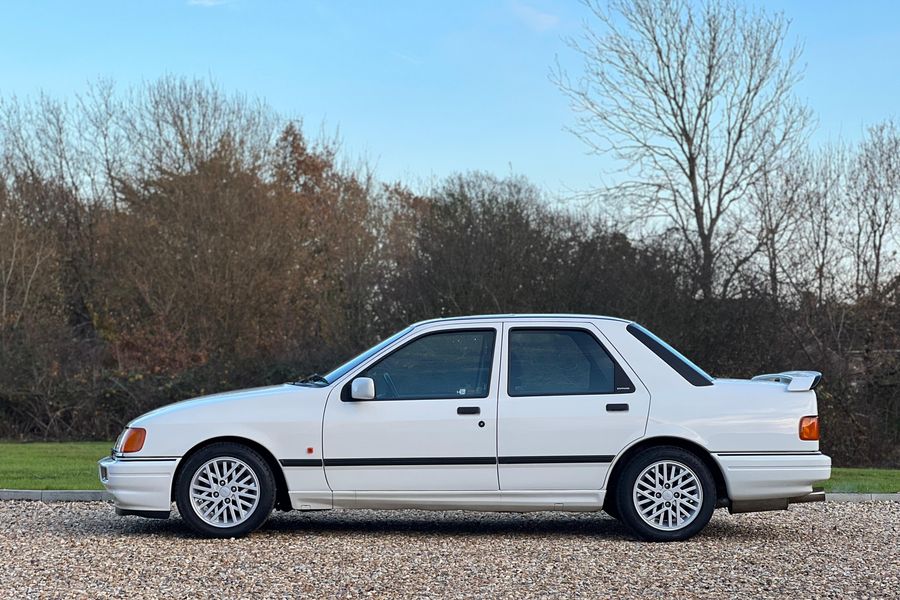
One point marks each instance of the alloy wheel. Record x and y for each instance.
(224, 492)
(667, 495)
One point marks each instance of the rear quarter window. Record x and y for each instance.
(691, 372)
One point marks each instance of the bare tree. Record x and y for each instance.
(697, 104)
(800, 210)
(874, 203)
(24, 253)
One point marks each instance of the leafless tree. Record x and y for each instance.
(800, 209)
(696, 102)
(24, 254)
(874, 207)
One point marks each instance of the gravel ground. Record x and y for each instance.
(810, 551)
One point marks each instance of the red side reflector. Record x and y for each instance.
(809, 428)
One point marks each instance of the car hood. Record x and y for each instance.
(226, 403)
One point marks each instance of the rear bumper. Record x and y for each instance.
(773, 476)
(139, 486)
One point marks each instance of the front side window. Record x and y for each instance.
(448, 364)
(556, 362)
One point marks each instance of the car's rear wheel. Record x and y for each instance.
(225, 490)
(666, 494)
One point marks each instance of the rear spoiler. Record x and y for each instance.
(797, 381)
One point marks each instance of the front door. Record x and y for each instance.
(433, 423)
(568, 404)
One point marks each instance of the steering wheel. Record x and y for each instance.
(390, 382)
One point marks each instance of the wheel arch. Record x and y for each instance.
(693, 447)
(282, 498)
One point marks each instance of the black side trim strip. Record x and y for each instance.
(146, 458)
(301, 462)
(583, 458)
(773, 453)
(450, 460)
(412, 461)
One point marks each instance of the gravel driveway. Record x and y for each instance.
(84, 550)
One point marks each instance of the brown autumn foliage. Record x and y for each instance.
(174, 241)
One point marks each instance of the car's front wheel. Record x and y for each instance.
(666, 494)
(225, 490)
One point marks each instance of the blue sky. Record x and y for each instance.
(420, 88)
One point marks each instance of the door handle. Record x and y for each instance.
(468, 410)
(623, 407)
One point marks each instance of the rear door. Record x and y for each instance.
(568, 404)
(432, 424)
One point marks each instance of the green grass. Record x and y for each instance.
(863, 480)
(51, 466)
(73, 466)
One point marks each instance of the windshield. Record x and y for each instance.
(354, 362)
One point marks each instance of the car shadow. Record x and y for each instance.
(449, 523)
(402, 522)
(413, 523)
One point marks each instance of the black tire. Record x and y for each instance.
(251, 518)
(610, 508)
(626, 503)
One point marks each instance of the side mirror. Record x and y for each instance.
(362, 388)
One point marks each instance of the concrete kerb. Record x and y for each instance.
(843, 497)
(57, 495)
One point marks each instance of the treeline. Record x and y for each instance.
(173, 240)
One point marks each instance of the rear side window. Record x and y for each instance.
(560, 362)
(691, 372)
(448, 364)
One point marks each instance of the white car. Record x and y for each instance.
(488, 413)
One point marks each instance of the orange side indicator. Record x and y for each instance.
(809, 428)
(134, 439)
(310, 450)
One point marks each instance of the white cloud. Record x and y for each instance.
(534, 18)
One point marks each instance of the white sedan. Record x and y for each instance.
(488, 413)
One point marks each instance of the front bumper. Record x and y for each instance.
(139, 485)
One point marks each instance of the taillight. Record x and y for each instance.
(133, 440)
(809, 428)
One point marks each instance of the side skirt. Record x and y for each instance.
(510, 501)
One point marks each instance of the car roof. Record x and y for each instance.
(513, 316)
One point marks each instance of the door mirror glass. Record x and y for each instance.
(363, 388)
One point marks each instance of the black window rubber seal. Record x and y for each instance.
(679, 366)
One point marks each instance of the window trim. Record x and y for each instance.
(618, 371)
(345, 390)
(691, 373)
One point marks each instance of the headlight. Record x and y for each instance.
(131, 440)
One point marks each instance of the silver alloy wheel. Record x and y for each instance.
(668, 495)
(224, 492)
